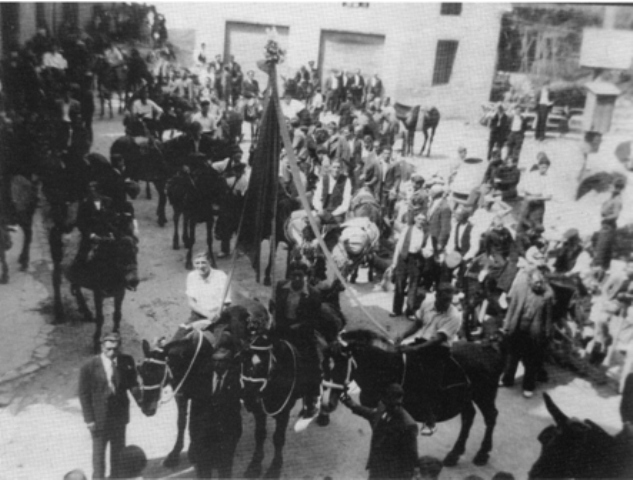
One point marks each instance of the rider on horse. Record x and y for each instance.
(437, 323)
(297, 309)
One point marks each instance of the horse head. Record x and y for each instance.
(257, 364)
(574, 449)
(154, 374)
(338, 370)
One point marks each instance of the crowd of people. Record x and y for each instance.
(488, 254)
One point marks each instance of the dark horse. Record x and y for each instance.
(144, 160)
(111, 271)
(271, 388)
(198, 197)
(410, 116)
(581, 449)
(373, 363)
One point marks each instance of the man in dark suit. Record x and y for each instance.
(358, 88)
(355, 146)
(499, 130)
(407, 266)
(371, 177)
(191, 145)
(104, 381)
(297, 311)
(438, 232)
(219, 419)
(397, 172)
(332, 92)
(394, 445)
(338, 147)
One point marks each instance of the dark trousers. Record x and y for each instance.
(604, 245)
(495, 140)
(523, 347)
(220, 457)
(332, 101)
(542, 113)
(515, 142)
(115, 436)
(407, 279)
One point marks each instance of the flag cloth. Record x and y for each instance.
(261, 195)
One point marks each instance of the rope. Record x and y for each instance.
(195, 355)
(292, 389)
(306, 205)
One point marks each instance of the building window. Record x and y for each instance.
(444, 59)
(451, 9)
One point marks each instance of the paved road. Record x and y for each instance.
(43, 435)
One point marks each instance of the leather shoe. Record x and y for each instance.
(393, 314)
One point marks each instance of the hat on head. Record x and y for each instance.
(393, 392)
(571, 233)
(111, 337)
(436, 189)
(416, 177)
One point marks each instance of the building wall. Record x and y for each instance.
(411, 33)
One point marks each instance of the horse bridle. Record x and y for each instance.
(263, 381)
(351, 365)
(166, 375)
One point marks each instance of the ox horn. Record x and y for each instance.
(557, 414)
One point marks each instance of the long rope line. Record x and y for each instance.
(306, 205)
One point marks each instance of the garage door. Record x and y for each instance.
(349, 51)
(246, 41)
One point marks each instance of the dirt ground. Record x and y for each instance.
(42, 432)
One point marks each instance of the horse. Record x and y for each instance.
(144, 160)
(582, 449)
(410, 116)
(471, 379)
(430, 121)
(159, 367)
(270, 388)
(198, 197)
(110, 80)
(112, 270)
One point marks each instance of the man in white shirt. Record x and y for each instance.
(113, 56)
(205, 118)
(205, 290)
(407, 266)
(333, 195)
(54, 59)
(537, 188)
(332, 89)
(428, 342)
(462, 153)
(291, 107)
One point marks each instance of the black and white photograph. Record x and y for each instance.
(316, 240)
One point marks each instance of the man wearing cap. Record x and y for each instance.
(537, 188)
(419, 200)
(219, 419)
(429, 340)
(499, 129)
(397, 173)
(333, 194)
(204, 117)
(528, 323)
(104, 381)
(297, 310)
(372, 174)
(407, 266)
(393, 452)
(437, 235)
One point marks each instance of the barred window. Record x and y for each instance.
(444, 59)
(451, 9)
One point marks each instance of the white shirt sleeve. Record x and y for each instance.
(317, 204)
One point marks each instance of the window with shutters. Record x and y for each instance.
(444, 60)
(451, 9)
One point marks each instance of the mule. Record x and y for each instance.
(582, 449)
(112, 270)
(198, 198)
(144, 161)
(373, 363)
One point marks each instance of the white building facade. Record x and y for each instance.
(431, 54)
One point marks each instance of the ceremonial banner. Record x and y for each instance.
(261, 196)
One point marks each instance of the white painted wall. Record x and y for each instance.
(411, 31)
